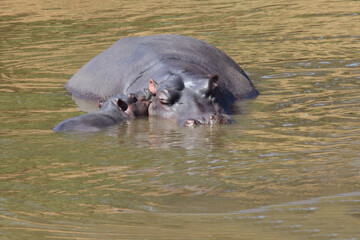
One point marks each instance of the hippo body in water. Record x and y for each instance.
(113, 111)
(193, 81)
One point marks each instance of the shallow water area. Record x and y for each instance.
(288, 168)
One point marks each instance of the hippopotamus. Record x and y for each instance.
(192, 81)
(113, 111)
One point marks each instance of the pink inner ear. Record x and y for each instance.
(213, 80)
(152, 86)
(214, 77)
(214, 85)
(101, 103)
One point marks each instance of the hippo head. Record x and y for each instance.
(190, 102)
(134, 104)
(138, 102)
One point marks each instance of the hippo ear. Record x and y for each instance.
(153, 86)
(132, 98)
(213, 77)
(209, 85)
(123, 105)
(147, 94)
(100, 103)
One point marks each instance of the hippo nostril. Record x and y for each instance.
(214, 119)
(123, 105)
(190, 123)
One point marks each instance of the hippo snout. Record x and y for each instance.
(212, 119)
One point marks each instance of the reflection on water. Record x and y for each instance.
(288, 168)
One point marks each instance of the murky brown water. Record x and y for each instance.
(289, 168)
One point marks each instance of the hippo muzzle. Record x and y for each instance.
(209, 120)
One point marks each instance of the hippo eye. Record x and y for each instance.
(208, 86)
(168, 97)
(164, 98)
(164, 101)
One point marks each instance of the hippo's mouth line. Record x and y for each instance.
(211, 120)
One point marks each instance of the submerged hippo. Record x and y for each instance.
(112, 111)
(193, 81)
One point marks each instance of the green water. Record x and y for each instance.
(288, 168)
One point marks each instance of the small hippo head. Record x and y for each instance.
(138, 103)
(191, 101)
(134, 104)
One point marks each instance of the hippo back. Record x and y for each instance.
(126, 66)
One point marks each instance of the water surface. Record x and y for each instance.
(288, 168)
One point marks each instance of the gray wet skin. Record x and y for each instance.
(194, 82)
(113, 111)
(208, 106)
